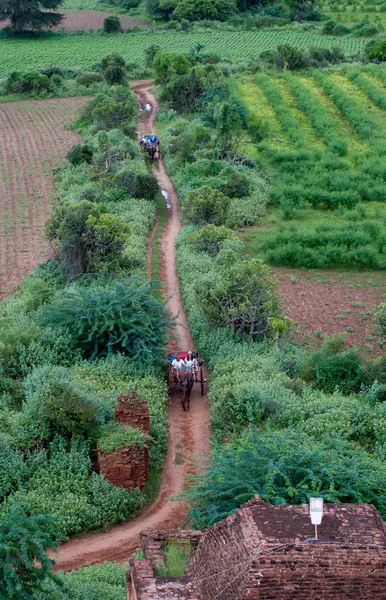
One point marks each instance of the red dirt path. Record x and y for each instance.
(188, 438)
(87, 19)
(334, 302)
(33, 141)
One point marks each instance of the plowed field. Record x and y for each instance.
(33, 142)
(87, 19)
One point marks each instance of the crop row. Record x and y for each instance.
(86, 50)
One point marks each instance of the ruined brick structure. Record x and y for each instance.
(127, 467)
(265, 552)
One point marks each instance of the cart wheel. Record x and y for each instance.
(202, 383)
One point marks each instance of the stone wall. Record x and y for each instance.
(127, 467)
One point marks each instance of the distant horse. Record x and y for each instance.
(151, 145)
(187, 384)
(151, 149)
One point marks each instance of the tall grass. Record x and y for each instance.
(376, 95)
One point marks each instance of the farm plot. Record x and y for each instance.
(93, 19)
(330, 302)
(33, 141)
(85, 50)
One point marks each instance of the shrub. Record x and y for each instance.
(114, 436)
(122, 317)
(127, 4)
(112, 24)
(67, 413)
(87, 79)
(289, 57)
(80, 153)
(342, 371)
(115, 110)
(194, 10)
(137, 183)
(211, 238)
(113, 68)
(204, 206)
(378, 52)
(334, 28)
(27, 83)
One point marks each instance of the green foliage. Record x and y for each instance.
(193, 10)
(114, 436)
(205, 205)
(240, 294)
(284, 467)
(176, 559)
(378, 52)
(136, 182)
(88, 79)
(27, 83)
(291, 58)
(67, 413)
(381, 319)
(340, 371)
(89, 241)
(24, 563)
(105, 580)
(29, 15)
(112, 24)
(211, 238)
(113, 65)
(79, 153)
(115, 110)
(13, 469)
(123, 317)
(65, 488)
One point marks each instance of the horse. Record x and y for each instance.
(187, 384)
(151, 149)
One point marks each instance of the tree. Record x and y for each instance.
(89, 240)
(113, 66)
(112, 25)
(193, 10)
(28, 14)
(240, 294)
(24, 564)
(381, 321)
(205, 205)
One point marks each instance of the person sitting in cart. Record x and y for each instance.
(192, 362)
(177, 365)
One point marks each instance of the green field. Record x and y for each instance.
(86, 50)
(325, 159)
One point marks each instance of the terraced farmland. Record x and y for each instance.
(33, 142)
(86, 50)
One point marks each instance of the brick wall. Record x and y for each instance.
(133, 411)
(127, 467)
(319, 571)
(221, 549)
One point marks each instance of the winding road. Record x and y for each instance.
(188, 431)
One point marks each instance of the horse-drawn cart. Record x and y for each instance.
(151, 144)
(184, 377)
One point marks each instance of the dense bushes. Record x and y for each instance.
(112, 24)
(27, 83)
(285, 467)
(122, 316)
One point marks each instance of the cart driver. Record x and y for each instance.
(177, 365)
(192, 363)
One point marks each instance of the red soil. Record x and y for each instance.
(87, 19)
(33, 141)
(336, 303)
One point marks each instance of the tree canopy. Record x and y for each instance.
(30, 14)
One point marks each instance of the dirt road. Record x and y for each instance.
(188, 431)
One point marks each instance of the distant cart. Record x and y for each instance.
(151, 144)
